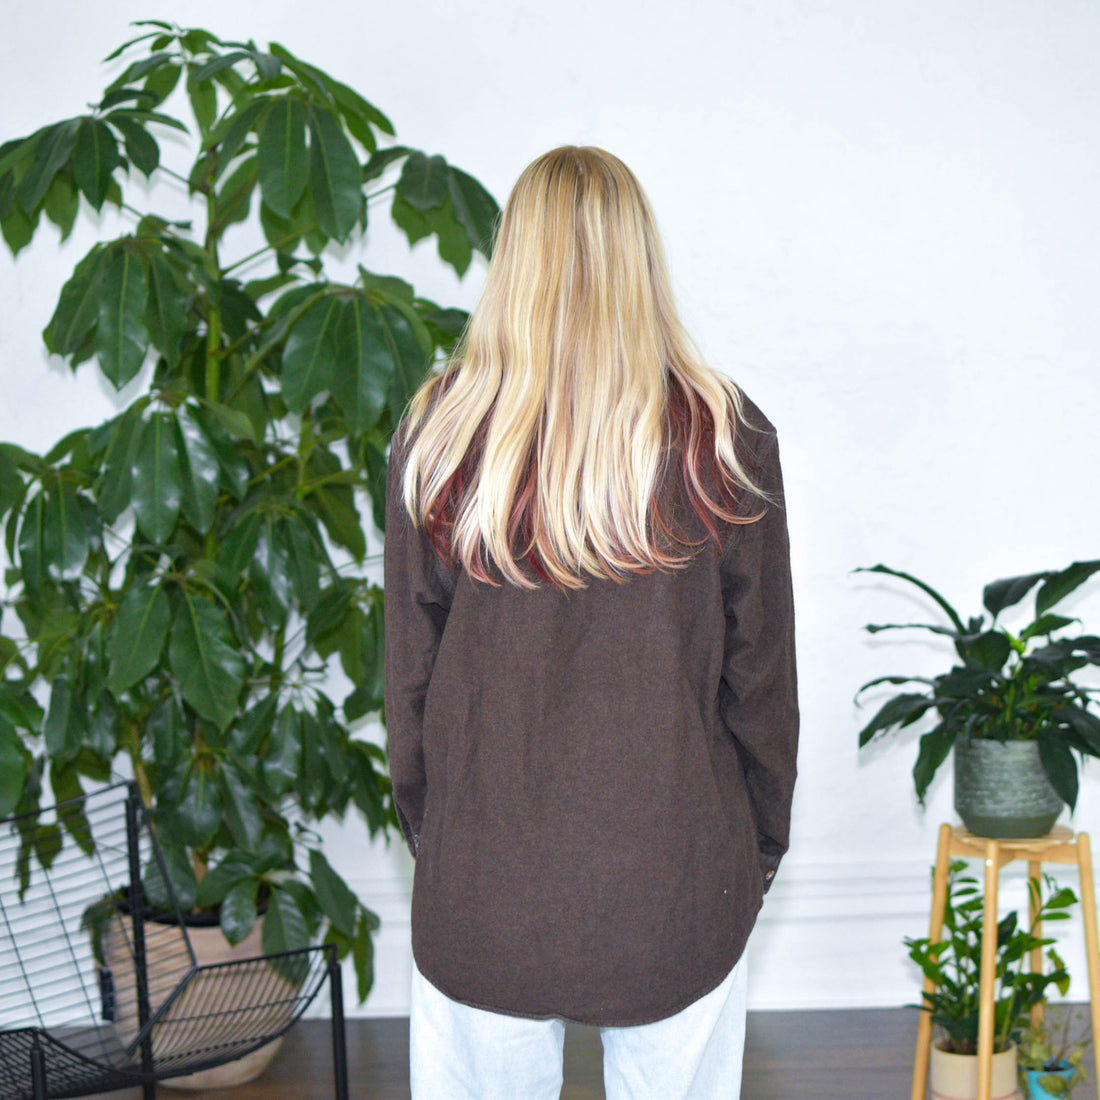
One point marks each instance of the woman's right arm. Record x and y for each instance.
(417, 602)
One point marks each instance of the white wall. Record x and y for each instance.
(882, 220)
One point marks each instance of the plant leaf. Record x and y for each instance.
(474, 208)
(934, 747)
(951, 613)
(424, 182)
(334, 176)
(78, 307)
(1010, 591)
(206, 659)
(900, 711)
(141, 147)
(237, 915)
(157, 490)
(200, 474)
(138, 637)
(62, 203)
(1058, 763)
(13, 768)
(241, 813)
(95, 158)
(284, 926)
(65, 542)
(121, 336)
(311, 352)
(52, 151)
(1060, 585)
(337, 902)
(282, 158)
(363, 366)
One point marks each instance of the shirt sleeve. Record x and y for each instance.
(417, 600)
(758, 694)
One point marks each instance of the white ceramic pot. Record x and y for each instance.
(955, 1076)
(225, 993)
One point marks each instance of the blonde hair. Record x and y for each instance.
(545, 440)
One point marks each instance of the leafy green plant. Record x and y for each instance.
(1055, 1055)
(954, 962)
(187, 574)
(1004, 686)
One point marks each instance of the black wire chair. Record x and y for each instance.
(100, 992)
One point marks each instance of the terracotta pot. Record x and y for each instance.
(955, 1076)
(1001, 789)
(216, 991)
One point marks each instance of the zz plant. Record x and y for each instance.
(187, 574)
(954, 962)
(1002, 685)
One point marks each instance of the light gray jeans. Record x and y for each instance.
(461, 1053)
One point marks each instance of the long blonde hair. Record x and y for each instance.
(541, 448)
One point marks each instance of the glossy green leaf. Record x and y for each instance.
(167, 318)
(284, 926)
(989, 650)
(18, 229)
(334, 176)
(363, 955)
(206, 659)
(240, 810)
(337, 902)
(475, 209)
(141, 147)
(233, 868)
(1061, 768)
(394, 332)
(364, 363)
(200, 474)
(138, 636)
(13, 768)
(282, 759)
(157, 488)
(234, 199)
(94, 159)
(204, 102)
(121, 336)
(165, 730)
(1046, 625)
(52, 152)
(218, 64)
(198, 814)
(270, 572)
(453, 243)
(382, 159)
(78, 307)
(951, 613)
(1060, 585)
(67, 789)
(310, 354)
(424, 182)
(60, 728)
(303, 560)
(65, 542)
(282, 157)
(61, 205)
(410, 221)
(238, 547)
(934, 748)
(237, 915)
(352, 104)
(115, 487)
(900, 711)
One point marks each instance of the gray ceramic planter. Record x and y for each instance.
(1001, 790)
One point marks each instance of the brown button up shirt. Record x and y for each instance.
(596, 784)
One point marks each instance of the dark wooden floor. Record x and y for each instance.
(829, 1055)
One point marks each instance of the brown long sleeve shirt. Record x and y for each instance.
(596, 784)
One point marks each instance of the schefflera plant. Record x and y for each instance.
(186, 573)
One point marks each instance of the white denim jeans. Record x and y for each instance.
(461, 1053)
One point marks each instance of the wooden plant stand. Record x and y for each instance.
(1059, 846)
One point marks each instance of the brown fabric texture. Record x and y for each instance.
(596, 785)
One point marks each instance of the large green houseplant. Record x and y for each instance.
(186, 574)
(1003, 685)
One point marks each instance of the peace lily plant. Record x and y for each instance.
(185, 576)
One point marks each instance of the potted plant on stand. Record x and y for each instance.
(1009, 705)
(188, 574)
(953, 964)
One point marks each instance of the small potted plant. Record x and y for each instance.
(1009, 705)
(1051, 1058)
(954, 966)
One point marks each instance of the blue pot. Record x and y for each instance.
(1036, 1090)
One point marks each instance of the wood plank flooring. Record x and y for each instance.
(862, 1054)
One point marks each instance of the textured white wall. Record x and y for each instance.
(882, 220)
